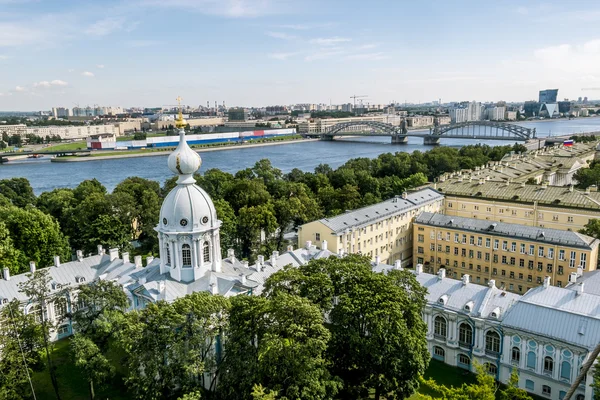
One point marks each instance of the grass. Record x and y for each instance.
(71, 382)
(80, 145)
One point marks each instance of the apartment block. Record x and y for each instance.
(516, 257)
(382, 231)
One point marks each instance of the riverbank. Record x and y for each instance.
(154, 152)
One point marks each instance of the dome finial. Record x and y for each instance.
(180, 123)
(184, 161)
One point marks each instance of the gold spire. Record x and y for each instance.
(180, 123)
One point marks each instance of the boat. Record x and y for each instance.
(3, 160)
(35, 156)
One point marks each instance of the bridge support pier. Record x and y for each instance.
(398, 139)
(327, 138)
(431, 140)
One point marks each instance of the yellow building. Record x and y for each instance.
(382, 231)
(544, 206)
(517, 257)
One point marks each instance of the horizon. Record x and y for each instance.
(54, 53)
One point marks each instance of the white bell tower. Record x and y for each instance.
(188, 229)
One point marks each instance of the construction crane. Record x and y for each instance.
(357, 97)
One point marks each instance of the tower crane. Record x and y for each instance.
(357, 97)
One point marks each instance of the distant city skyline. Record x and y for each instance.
(264, 52)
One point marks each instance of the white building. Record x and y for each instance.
(61, 112)
(496, 113)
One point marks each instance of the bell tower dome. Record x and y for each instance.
(188, 228)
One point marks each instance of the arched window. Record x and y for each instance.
(492, 342)
(439, 353)
(186, 256)
(168, 255)
(515, 355)
(465, 334)
(206, 252)
(580, 397)
(464, 361)
(565, 370)
(491, 369)
(548, 365)
(439, 327)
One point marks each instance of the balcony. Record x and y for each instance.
(464, 345)
(492, 353)
(439, 337)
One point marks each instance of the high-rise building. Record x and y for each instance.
(61, 112)
(548, 95)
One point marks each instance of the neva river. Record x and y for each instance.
(45, 176)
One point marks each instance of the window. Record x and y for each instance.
(531, 249)
(515, 356)
(521, 263)
(420, 238)
(168, 255)
(317, 237)
(583, 260)
(492, 342)
(565, 370)
(456, 236)
(541, 251)
(206, 252)
(491, 369)
(464, 361)
(186, 256)
(440, 327)
(439, 353)
(465, 334)
(546, 390)
(529, 385)
(522, 248)
(464, 239)
(569, 219)
(513, 246)
(572, 260)
(479, 241)
(548, 365)
(504, 245)
(471, 239)
(531, 360)
(487, 242)
(550, 252)
(496, 243)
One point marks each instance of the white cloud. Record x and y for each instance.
(58, 82)
(281, 56)
(331, 41)
(100, 66)
(88, 74)
(281, 35)
(71, 70)
(3, 57)
(368, 46)
(20, 89)
(42, 84)
(14, 34)
(106, 26)
(325, 53)
(570, 59)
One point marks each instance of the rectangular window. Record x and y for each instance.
(572, 260)
(522, 248)
(479, 255)
(521, 276)
(420, 238)
(456, 251)
(464, 239)
(529, 385)
(531, 249)
(549, 268)
(512, 261)
(503, 259)
(448, 236)
(317, 237)
(583, 260)
(447, 249)
(432, 247)
(561, 255)
(550, 252)
(470, 253)
(530, 264)
(456, 238)
(512, 275)
(487, 242)
(471, 239)
(463, 252)
(504, 245)
(487, 256)
(496, 243)
(521, 263)
(432, 235)
(541, 251)
(420, 250)
(513, 246)
(479, 241)
(495, 258)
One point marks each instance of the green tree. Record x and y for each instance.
(36, 235)
(9, 256)
(18, 191)
(280, 343)
(37, 290)
(22, 344)
(512, 390)
(228, 229)
(377, 333)
(58, 203)
(95, 366)
(256, 226)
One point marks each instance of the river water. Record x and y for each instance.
(45, 176)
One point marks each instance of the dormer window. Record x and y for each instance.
(495, 313)
(4, 301)
(443, 300)
(469, 306)
(79, 279)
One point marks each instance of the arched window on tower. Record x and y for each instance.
(206, 252)
(168, 254)
(186, 256)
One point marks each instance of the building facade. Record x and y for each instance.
(382, 231)
(320, 125)
(516, 257)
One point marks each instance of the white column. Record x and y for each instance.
(195, 263)
(174, 255)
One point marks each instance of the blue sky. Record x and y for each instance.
(266, 52)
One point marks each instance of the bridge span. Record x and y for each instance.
(478, 130)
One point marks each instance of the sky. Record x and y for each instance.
(273, 52)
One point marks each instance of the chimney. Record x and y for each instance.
(113, 254)
(465, 279)
(57, 261)
(492, 283)
(149, 259)
(579, 270)
(571, 188)
(290, 248)
(587, 190)
(544, 185)
(125, 257)
(161, 286)
(142, 280)
(244, 263)
(214, 289)
(324, 245)
(573, 277)
(6, 274)
(397, 264)
(32, 266)
(79, 254)
(546, 282)
(242, 279)
(377, 260)
(100, 250)
(231, 255)
(274, 259)
(341, 252)
(260, 259)
(404, 194)
(308, 244)
(258, 266)
(579, 289)
(481, 181)
(137, 260)
(522, 184)
(441, 273)
(419, 269)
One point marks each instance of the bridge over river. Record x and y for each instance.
(478, 130)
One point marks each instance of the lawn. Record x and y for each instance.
(72, 385)
(80, 145)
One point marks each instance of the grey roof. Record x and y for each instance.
(591, 281)
(558, 313)
(542, 235)
(379, 211)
